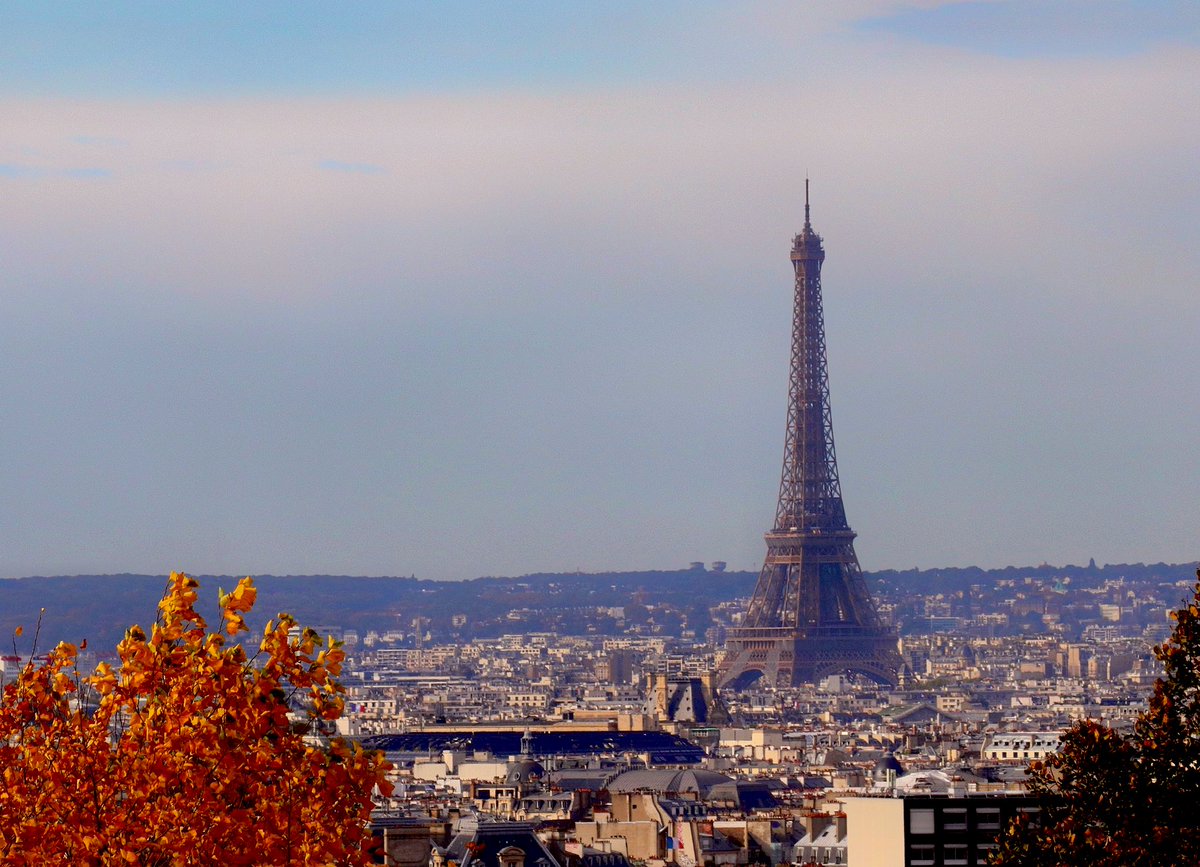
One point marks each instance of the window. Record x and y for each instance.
(954, 819)
(955, 853)
(921, 855)
(988, 818)
(920, 822)
(983, 850)
(511, 856)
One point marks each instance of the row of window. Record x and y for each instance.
(825, 855)
(953, 819)
(1021, 754)
(953, 854)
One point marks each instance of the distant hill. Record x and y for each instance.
(959, 578)
(100, 607)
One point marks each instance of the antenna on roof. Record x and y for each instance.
(806, 223)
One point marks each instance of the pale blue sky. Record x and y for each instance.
(354, 48)
(459, 289)
(223, 48)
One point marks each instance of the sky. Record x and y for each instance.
(459, 289)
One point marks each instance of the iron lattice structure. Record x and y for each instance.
(811, 614)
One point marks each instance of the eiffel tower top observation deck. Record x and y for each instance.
(811, 613)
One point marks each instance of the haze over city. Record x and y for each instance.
(459, 290)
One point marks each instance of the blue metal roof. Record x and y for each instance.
(663, 748)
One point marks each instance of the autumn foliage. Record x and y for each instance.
(1113, 799)
(186, 753)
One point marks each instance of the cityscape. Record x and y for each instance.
(611, 742)
(763, 729)
(461, 332)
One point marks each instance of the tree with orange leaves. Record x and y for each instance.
(187, 754)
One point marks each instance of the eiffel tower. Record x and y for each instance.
(811, 614)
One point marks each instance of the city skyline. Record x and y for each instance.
(458, 291)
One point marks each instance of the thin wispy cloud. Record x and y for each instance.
(99, 141)
(1031, 28)
(350, 168)
(10, 170)
(88, 173)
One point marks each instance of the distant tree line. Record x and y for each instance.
(98, 606)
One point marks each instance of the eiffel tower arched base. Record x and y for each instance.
(783, 657)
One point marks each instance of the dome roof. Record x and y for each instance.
(888, 763)
(664, 781)
(525, 771)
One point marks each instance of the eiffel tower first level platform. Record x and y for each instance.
(811, 614)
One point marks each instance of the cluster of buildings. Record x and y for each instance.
(555, 750)
(632, 792)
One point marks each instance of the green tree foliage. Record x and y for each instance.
(1124, 800)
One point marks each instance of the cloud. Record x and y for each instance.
(350, 168)
(559, 318)
(88, 173)
(99, 141)
(78, 173)
(1027, 28)
(943, 153)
